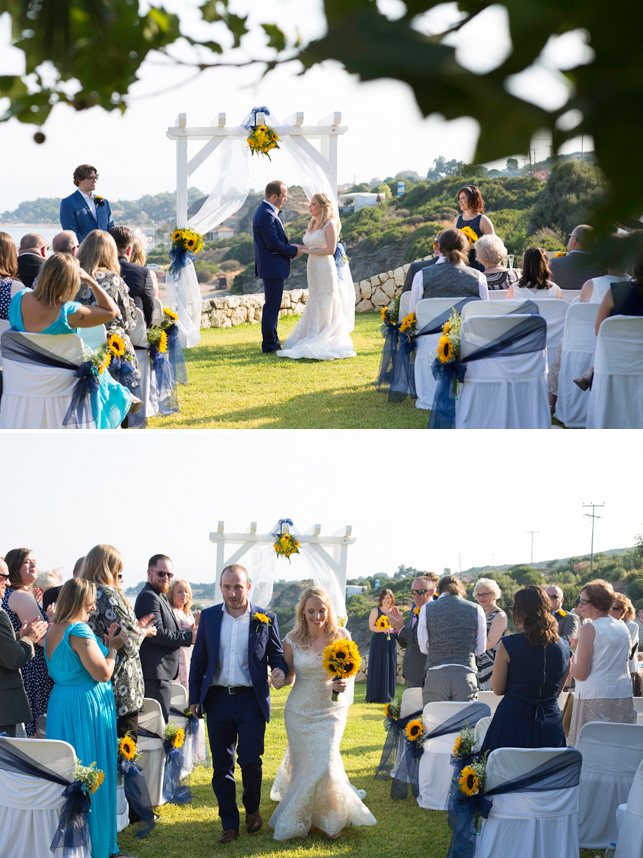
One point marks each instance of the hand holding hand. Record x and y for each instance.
(33, 630)
(116, 637)
(395, 618)
(277, 678)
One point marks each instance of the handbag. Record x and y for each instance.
(567, 712)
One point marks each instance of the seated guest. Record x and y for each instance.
(623, 610)
(486, 591)
(453, 632)
(137, 278)
(9, 285)
(490, 252)
(99, 257)
(31, 256)
(138, 257)
(81, 709)
(65, 242)
(568, 622)
(594, 290)
(414, 267)
(535, 282)
(529, 673)
(603, 687)
(14, 653)
(450, 277)
(22, 608)
(574, 269)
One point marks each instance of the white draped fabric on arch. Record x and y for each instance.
(230, 193)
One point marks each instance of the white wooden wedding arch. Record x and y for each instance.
(338, 542)
(327, 131)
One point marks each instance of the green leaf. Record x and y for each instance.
(276, 37)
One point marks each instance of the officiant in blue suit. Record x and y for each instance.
(273, 253)
(235, 644)
(83, 211)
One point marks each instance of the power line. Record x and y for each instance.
(593, 517)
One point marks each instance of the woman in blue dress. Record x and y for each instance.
(49, 309)
(381, 675)
(81, 706)
(530, 670)
(472, 215)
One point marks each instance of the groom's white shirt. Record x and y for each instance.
(232, 666)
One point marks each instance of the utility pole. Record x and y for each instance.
(493, 560)
(582, 144)
(460, 564)
(593, 517)
(532, 543)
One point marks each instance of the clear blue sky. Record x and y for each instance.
(414, 498)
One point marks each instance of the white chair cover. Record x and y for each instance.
(638, 708)
(4, 326)
(616, 397)
(554, 311)
(507, 392)
(405, 300)
(30, 807)
(497, 294)
(37, 397)
(436, 770)
(492, 700)
(428, 309)
(153, 753)
(630, 821)
(157, 314)
(484, 308)
(570, 295)
(139, 341)
(180, 701)
(612, 754)
(95, 337)
(481, 730)
(528, 824)
(411, 702)
(122, 807)
(577, 356)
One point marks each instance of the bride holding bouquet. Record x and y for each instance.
(311, 785)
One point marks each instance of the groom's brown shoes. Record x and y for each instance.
(229, 835)
(253, 822)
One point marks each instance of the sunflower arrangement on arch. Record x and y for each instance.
(286, 545)
(263, 140)
(341, 660)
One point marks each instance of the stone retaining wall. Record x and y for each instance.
(230, 310)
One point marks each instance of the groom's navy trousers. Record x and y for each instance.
(274, 290)
(232, 718)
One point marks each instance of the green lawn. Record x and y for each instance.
(232, 385)
(403, 829)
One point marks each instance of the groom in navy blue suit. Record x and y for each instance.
(83, 211)
(235, 643)
(272, 259)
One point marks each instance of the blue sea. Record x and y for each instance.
(16, 232)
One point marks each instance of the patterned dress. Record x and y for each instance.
(484, 662)
(38, 683)
(127, 679)
(5, 297)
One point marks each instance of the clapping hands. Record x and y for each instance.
(147, 625)
(34, 630)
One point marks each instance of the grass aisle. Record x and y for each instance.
(232, 385)
(403, 829)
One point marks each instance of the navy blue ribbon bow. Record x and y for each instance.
(162, 383)
(175, 355)
(138, 795)
(173, 790)
(529, 335)
(394, 731)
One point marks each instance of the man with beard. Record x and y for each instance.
(160, 653)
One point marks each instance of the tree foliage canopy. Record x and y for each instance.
(89, 52)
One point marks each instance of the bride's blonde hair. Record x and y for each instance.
(300, 633)
(328, 213)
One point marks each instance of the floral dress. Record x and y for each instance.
(127, 679)
(38, 683)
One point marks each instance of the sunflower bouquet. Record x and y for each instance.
(127, 749)
(89, 776)
(465, 743)
(170, 317)
(286, 545)
(262, 140)
(471, 783)
(470, 234)
(174, 734)
(101, 358)
(391, 314)
(392, 710)
(157, 338)
(382, 624)
(408, 327)
(341, 660)
(414, 732)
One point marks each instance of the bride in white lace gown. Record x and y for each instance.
(311, 785)
(323, 332)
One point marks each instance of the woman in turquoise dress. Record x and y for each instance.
(48, 309)
(81, 706)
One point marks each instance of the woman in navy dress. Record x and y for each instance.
(530, 670)
(472, 215)
(21, 608)
(381, 676)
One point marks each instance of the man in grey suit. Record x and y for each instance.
(160, 653)
(414, 664)
(572, 270)
(568, 622)
(14, 706)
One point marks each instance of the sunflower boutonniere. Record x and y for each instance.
(562, 613)
(416, 610)
(262, 619)
(100, 201)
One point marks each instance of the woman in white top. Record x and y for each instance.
(536, 282)
(623, 610)
(594, 290)
(603, 688)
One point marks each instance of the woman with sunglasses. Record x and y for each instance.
(103, 567)
(603, 687)
(487, 592)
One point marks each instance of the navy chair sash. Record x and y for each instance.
(394, 731)
(527, 336)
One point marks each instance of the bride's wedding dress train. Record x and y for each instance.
(311, 785)
(322, 333)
